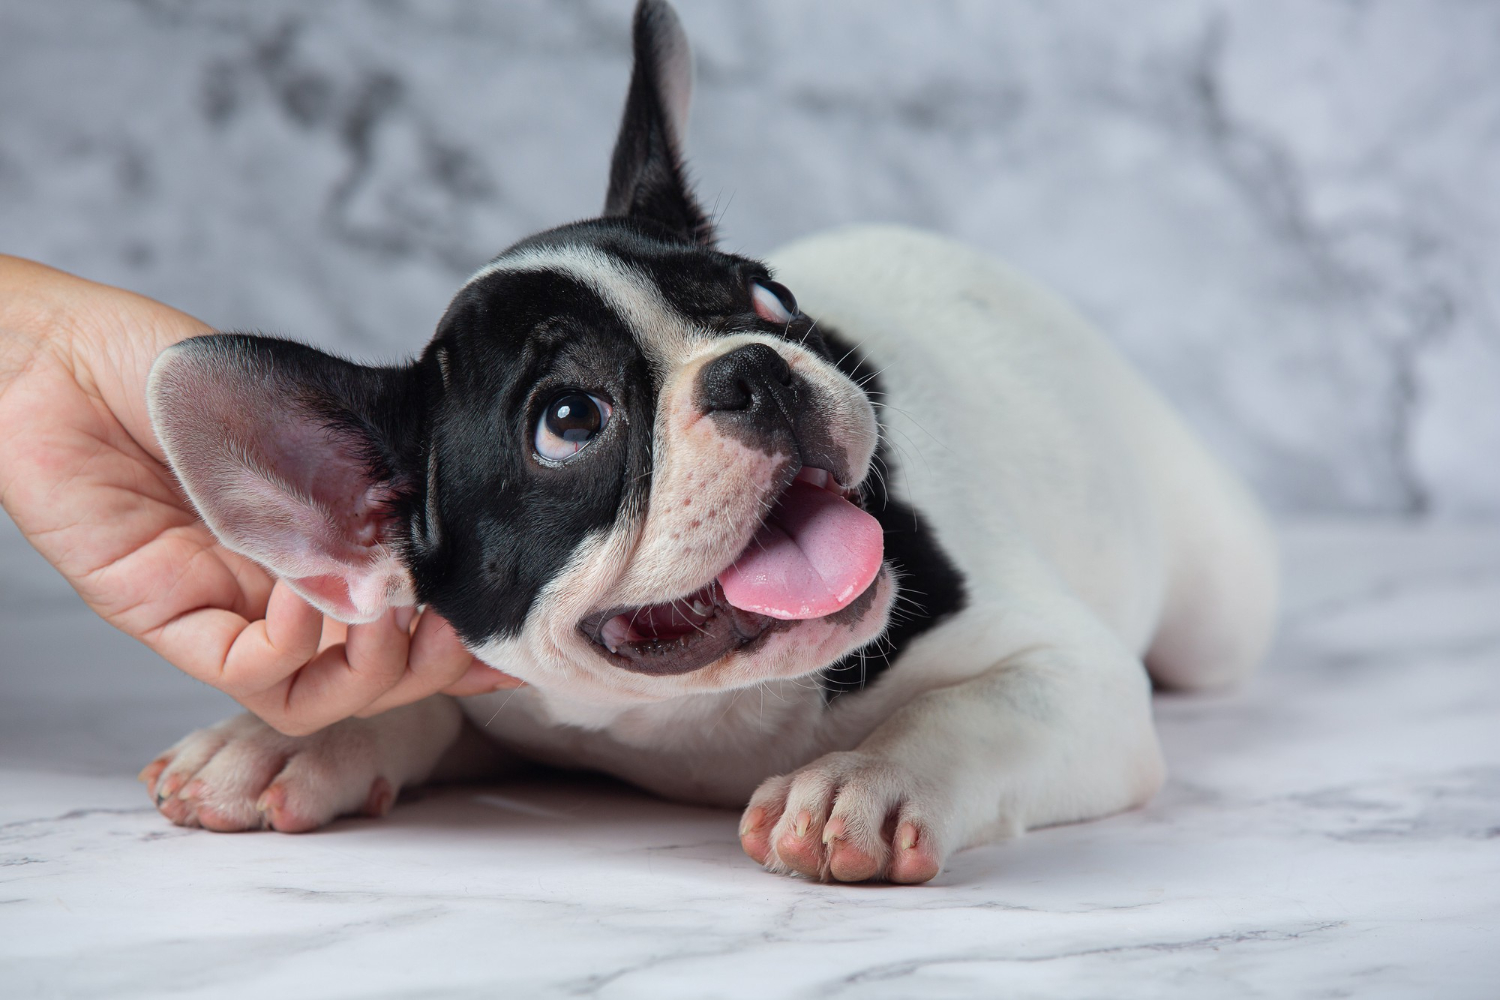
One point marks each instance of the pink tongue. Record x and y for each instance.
(815, 554)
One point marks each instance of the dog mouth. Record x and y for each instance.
(814, 554)
(676, 637)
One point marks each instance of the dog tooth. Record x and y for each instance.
(615, 633)
(699, 608)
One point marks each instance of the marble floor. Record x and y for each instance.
(1332, 830)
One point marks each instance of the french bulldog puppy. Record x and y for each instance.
(891, 563)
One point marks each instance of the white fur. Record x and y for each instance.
(623, 288)
(1091, 527)
(1093, 532)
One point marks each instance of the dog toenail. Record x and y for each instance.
(908, 837)
(380, 798)
(804, 820)
(752, 821)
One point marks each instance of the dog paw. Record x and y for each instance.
(846, 817)
(243, 775)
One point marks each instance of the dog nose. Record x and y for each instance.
(752, 378)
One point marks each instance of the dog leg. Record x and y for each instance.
(243, 775)
(1047, 735)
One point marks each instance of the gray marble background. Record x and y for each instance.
(1286, 212)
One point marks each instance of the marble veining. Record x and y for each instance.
(1284, 211)
(1332, 830)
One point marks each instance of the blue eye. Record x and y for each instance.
(569, 423)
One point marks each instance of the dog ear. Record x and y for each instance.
(291, 457)
(647, 179)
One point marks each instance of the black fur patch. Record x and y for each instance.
(508, 522)
(646, 176)
(931, 584)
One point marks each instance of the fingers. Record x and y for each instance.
(338, 681)
(481, 679)
(300, 672)
(438, 662)
(239, 657)
(334, 632)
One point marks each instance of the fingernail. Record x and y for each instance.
(502, 680)
(752, 821)
(403, 617)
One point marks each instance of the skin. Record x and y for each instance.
(83, 477)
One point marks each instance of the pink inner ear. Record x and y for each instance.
(276, 482)
(330, 593)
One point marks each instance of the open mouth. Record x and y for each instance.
(814, 554)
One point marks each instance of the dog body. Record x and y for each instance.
(887, 560)
(1060, 485)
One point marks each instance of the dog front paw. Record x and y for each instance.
(243, 775)
(846, 817)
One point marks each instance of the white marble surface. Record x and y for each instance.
(1286, 211)
(1333, 830)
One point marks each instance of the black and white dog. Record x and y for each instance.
(631, 470)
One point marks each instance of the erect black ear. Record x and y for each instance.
(294, 458)
(646, 176)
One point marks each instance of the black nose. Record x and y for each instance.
(753, 378)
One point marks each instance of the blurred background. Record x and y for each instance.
(1285, 212)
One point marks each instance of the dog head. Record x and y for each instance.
(626, 466)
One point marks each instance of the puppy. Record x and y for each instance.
(891, 563)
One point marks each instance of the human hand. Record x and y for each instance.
(83, 477)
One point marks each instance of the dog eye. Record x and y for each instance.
(773, 301)
(569, 423)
